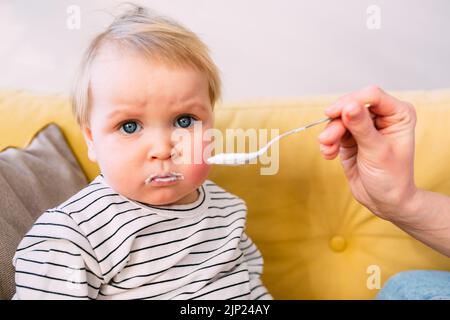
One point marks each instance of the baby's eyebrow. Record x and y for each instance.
(192, 107)
(117, 112)
(188, 108)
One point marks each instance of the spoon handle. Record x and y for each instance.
(367, 105)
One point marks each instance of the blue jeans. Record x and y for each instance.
(417, 285)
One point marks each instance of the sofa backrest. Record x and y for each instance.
(316, 240)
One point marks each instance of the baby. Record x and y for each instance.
(150, 226)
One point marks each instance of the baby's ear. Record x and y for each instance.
(87, 134)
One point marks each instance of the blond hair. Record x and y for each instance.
(157, 37)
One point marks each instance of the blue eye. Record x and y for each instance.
(184, 121)
(129, 127)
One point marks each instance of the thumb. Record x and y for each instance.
(357, 120)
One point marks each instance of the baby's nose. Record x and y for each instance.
(161, 148)
(160, 153)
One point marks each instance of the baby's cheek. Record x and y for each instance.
(197, 173)
(196, 169)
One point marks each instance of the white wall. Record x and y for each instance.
(264, 48)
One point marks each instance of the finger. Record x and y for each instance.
(348, 146)
(358, 121)
(347, 140)
(330, 151)
(381, 103)
(333, 132)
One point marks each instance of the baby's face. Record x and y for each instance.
(137, 104)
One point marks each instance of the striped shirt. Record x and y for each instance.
(100, 245)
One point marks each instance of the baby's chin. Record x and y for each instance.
(167, 196)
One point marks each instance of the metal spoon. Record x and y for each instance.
(236, 159)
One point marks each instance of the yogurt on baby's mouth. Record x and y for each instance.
(163, 178)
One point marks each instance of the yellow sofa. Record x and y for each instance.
(317, 241)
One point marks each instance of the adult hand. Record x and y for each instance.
(376, 149)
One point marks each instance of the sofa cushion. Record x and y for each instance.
(30, 112)
(316, 240)
(32, 179)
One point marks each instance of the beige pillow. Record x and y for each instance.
(32, 180)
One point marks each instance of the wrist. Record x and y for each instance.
(409, 212)
(426, 217)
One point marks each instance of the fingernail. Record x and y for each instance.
(323, 135)
(354, 113)
(330, 109)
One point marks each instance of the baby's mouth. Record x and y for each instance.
(164, 177)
